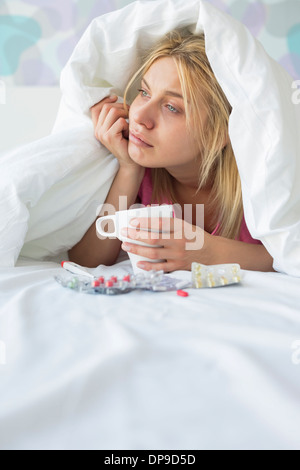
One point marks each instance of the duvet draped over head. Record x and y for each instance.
(263, 130)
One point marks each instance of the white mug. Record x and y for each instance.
(122, 220)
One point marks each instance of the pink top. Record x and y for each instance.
(145, 194)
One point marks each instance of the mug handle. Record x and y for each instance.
(100, 229)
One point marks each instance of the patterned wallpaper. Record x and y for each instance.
(38, 36)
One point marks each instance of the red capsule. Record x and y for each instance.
(182, 293)
(126, 278)
(114, 279)
(101, 280)
(109, 284)
(95, 284)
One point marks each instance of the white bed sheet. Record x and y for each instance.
(215, 370)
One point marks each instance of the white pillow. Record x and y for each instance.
(264, 125)
(50, 191)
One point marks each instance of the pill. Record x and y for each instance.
(126, 278)
(95, 284)
(182, 293)
(109, 284)
(72, 284)
(114, 279)
(101, 280)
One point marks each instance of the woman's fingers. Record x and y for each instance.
(149, 237)
(116, 132)
(97, 108)
(166, 255)
(156, 226)
(110, 113)
(148, 252)
(166, 266)
(109, 131)
(101, 110)
(108, 118)
(112, 135)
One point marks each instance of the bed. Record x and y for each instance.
(219, 369)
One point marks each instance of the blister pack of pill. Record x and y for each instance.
(218, 275)
(155, 281)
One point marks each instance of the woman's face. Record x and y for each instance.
(158, 136)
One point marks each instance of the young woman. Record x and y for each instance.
(175, 148)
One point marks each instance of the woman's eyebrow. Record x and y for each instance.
(167, 92)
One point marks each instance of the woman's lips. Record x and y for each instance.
(138, 140)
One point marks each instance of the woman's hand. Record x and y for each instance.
(180, 243)
(112, 129)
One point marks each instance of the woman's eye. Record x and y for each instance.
(172, 109)
(143, 93)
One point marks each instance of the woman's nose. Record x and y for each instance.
(143, 116)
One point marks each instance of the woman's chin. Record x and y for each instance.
(142, 158)
(137, 156)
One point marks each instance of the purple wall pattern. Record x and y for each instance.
(38, 37)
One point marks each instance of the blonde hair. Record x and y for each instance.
(216, 158)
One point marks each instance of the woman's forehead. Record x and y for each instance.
(163, 73)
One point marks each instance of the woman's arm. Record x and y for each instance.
(92, 251)
(249, 256)
(110, 124)
(185, 244)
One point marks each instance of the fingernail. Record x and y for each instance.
(134, 222)
(125, 247)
